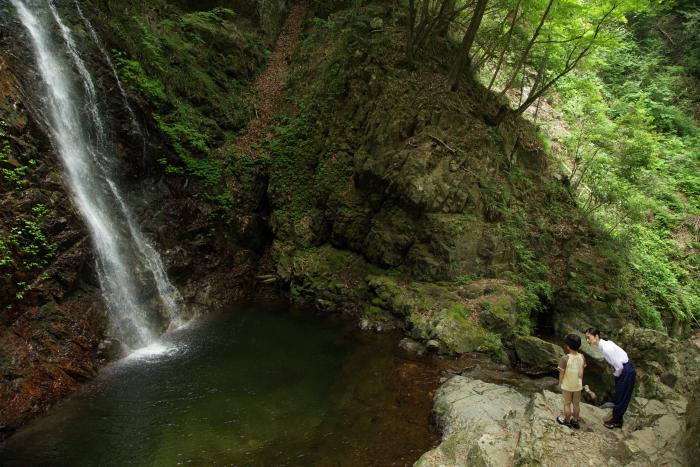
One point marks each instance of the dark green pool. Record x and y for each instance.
(259, 385)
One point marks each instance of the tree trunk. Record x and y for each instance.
(446, 12)
(463, 60)
(505, 47)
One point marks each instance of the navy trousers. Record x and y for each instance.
(623, 391)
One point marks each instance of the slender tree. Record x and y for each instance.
(462, 61)
(576, 53)
(506, 45)
(528, 48)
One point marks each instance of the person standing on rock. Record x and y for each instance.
(571, 381)
(622, 370)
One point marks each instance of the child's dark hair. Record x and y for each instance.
(593, 332)
(573, 341)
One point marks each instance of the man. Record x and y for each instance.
(623, 371)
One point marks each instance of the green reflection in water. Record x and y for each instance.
(256, 386)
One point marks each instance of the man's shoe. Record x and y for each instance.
(612, 424)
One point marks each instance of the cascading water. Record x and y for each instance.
(108, 60)
(129, 269)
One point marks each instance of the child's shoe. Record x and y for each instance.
(574, 424)
(562, 421)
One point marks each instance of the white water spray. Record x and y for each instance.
(95, 38)
(129, 269)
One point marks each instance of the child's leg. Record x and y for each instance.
(567, 396)
(576, 402)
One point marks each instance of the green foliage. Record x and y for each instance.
(528, 46)
(634, 161)
(29, 241)
(24, 250)
(290, 153)
(132, 72)
(15, 176)
(532, 272)
(310, 155)
(174, 61)
(24, 247)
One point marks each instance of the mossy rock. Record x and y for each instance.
(438, 312)
(390, 296)
(500, 314)
(425, 175)
(456, 244)
(374, 317)
(329, 275)
(455, 331)
(350, 218)
(425, 266)
(692, 436)
(537, 356)
(392, 233)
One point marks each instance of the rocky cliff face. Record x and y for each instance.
(394, 200)
(47, 349)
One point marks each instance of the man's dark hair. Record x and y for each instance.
(593, 332)
(573, 341)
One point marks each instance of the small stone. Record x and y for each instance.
(432, 345)
(412, 346)
(376, 23)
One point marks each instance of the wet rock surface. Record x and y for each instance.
(45, 353)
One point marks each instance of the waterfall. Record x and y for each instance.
(129, 269)
(103, 51)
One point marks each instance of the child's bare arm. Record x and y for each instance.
(563, 362)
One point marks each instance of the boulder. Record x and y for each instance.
(412, 346)
(500, 314)
(455, 330)
(487, 424)
(536, 356)
(663, 361)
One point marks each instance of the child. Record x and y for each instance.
(571, 380)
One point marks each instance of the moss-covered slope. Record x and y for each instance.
(384, 184)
